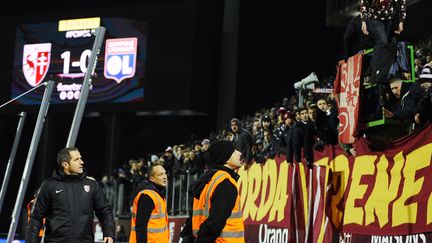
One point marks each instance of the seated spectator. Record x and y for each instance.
(407, 95)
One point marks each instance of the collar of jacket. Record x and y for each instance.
(61, 176)
(146, 184)
(199, 185)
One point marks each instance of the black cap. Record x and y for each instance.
(220, 151)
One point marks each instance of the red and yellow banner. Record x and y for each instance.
(385, 193)
(381, 196)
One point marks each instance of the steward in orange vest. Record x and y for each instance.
(29, 208)
(216, 215)
(149, 223)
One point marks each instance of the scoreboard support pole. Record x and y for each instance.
(79, 111)
(12, 155)
(30, 159)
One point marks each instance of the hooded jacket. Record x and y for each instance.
(242, 140)
(404, 109)
(69, 203)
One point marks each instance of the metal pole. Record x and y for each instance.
(179, 207)
(12, 157)
(120, 200)
(300, 98)
(187, 192)
(76, 122)
(166, 193)
(173, 195)
(30, 159)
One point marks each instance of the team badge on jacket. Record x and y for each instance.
(86, 188)
(36, 61)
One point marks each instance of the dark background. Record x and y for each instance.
(278, 44)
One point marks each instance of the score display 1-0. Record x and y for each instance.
(44, 53)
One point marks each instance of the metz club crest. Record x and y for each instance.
(36, 60)
(120, 58)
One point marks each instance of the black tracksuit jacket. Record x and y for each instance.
(69, 203)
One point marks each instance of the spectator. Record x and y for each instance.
(284, 131)
(257, 149)
(242, 139)
(266, 124)
(270, 145)
(407, 95)
(121, 234)
(354, 40)
(135, 176)
(424, 106)
(170, 161)
(377, 16)
(303, 139)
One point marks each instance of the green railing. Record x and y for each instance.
(385, 120)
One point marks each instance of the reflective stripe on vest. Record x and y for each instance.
(233, 230)
(157, 227)
(153, 230)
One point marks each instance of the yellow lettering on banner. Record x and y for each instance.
(269, 180)
(242, 184)
(404, 212)
(363, 165)
(303, 187)
(253, 190)
(340, 170)
(428, 157)
(323, 161)
(384, 192)
(281, 196)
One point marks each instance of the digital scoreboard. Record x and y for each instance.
(60, 51)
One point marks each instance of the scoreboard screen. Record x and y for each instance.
(60, 51)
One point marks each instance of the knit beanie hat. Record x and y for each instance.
(220, 151)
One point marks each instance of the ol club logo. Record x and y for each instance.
(36, 61)
(120, 58)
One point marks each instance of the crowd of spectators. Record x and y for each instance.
(286, 128)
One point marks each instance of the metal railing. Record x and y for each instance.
(178, 199)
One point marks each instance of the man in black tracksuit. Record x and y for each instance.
(68, 201)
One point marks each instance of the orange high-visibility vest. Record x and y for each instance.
(29, 207)
(233, 231)
(157, 227)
